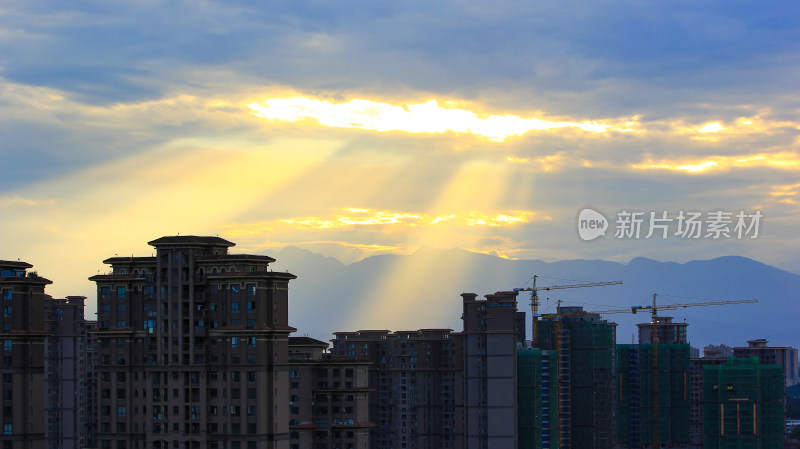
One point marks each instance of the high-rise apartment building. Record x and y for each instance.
(65, 372)
(23, 336)
(653, 388)
(490, 370)
(329, 405)
(653, 400)
(193, 347)
(417, 386)
(586, 373)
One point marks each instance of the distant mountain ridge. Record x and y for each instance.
(422, 290)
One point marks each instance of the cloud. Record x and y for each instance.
(16, 200)
(427, 117)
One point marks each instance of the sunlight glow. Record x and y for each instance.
(711, 128)
(785, 160)
(426, 117)
(362, 217)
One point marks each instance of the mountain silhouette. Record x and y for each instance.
(421, 290)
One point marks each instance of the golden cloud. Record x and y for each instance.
(358, 217)
(428, 117)
(782, 160)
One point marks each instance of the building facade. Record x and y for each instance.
(329, 398)
(193, 349)
(490, 370)
(772, 355)
(537, 399)
(66, 371)
(653, 396)
(91, 382)
(417, 387)
(23, 338)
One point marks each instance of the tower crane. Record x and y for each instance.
(654, 308)
(535, 297)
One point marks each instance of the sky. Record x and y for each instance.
(359, 128)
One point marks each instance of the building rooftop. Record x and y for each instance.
(130, 259)
(306, 341)
(15, 264)
(236, 257)
(190, 240)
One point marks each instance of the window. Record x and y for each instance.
(234, 307)
(122, 411)
(234, 342)
(251, 289)
(251, 342)
(121, 291)
(8, 429)
(121, 323)
(105, 292)
(106, 308)
(8, 294)
(251, 306)
(214, 289)
(120, 308)
(7, 311)
(7, 345)
(235, 289)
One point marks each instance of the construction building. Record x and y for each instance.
(23, 338)
(665, 329)
(586, 375)
(653, 388)
(193, 348)
(328, 398)
(712, 355)
(537, 399)
(715, 351)
(417, 385)
(772, 355)
(66, 371)
(743, 405)
(653, 401)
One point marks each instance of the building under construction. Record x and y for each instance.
(537, 399)
(653, 396)
(743, 405)
(653, 387)
(586, 385)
